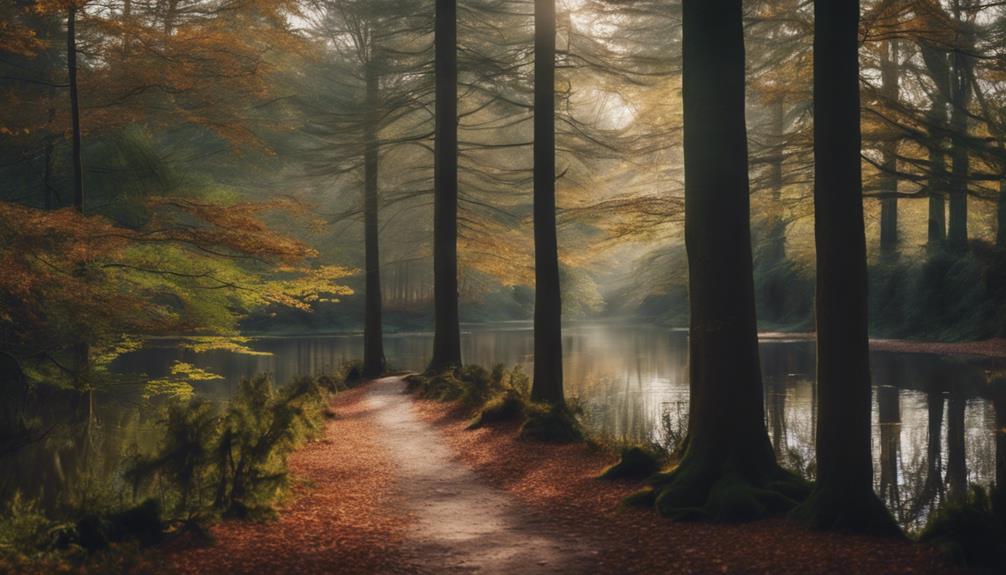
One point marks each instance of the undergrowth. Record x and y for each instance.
(214, 460)
(970, 530)
(500, 396)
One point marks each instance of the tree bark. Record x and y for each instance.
(938, 67)
(1001, 216)
(889, 152)
(961, 94)
(957, 470)
(777, 226)
(937, 201)
(447, 329)
(934, 451)
(889, 409)
(373, 343)
(71, 67)
(728, 469)
(843, 496)
(547, 386)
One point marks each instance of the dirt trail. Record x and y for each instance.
(462, 525)
(383, 492)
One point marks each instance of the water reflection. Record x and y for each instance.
(934, 433)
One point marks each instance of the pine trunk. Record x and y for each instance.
(957, 231)
(728, 467)
(889, 152)
(957, 470)
(843, 497)
(447, 329)
(547, 384)
(71, 67)
(373, 343)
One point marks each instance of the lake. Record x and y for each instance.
(932, 432)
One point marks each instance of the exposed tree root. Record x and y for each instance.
(846, 510)
(702, 490)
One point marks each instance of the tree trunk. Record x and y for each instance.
(889, 152)
(777, 225)
(169, 16)
(889, 408)
(1001, 216)
(71, 67)
(957, 470)
(373, 344)
(48, 191)
(728, 463)
(999, 403)
(547, 384)
(447, 329)
(937, 201)
(934, 440)
(843, 497)
(957, 232)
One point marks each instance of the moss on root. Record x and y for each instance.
(551, 423)
(845, 510)
(635, 462)
(718, 491)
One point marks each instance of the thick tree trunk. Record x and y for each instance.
(373, 343)
(71, 67)
(889, 151)
(447, 329)
(728, 466)
(843, 497)
(547, 384)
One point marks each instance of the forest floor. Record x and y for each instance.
(399, 485)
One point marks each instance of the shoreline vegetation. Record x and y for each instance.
(212, 461)
(558, 482)
(542, 458)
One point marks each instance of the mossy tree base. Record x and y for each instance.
(719, 490)
(554, 424)
(845, 510)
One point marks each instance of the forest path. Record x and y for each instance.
(461, 524)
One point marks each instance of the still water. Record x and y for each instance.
(932, 432)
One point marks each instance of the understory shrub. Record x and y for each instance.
(947, 296)
(497, 396)
(636, 462)
(348, 375)
(969, 531)
(232, 461)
